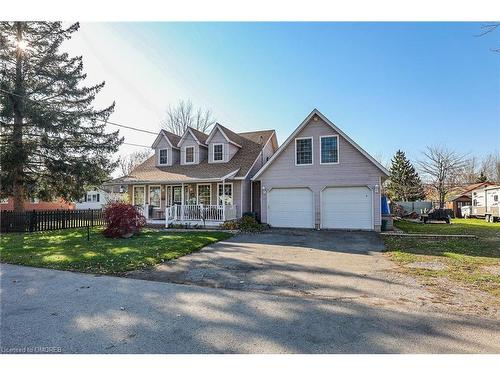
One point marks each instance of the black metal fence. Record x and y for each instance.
(36, 221)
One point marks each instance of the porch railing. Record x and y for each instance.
(199, 212)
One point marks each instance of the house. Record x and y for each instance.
(34, 204)
(199, 176)
(97, 197)
(463, 197)
(320, 178)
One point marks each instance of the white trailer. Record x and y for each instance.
(485, 203)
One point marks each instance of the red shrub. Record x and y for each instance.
(123, 220)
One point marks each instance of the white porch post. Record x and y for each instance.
(223, 200)
(182, 201)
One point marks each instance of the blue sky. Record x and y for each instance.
(387, 85)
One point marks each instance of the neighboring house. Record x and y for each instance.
(463, 197)
(95, 199)
(320, 178)
(199, 175)
(7, 204)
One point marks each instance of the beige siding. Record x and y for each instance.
(353, 169)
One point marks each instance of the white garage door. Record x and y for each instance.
(346, 208)
(290, 208)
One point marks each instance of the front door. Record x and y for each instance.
(176, 195)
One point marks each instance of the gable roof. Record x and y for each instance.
(171, 138)
(304, 123)
(230, 136)
(238, 167)
(198, 136)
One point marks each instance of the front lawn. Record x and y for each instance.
(70, 250)
(474, 263)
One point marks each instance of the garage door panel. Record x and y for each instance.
(290, 208)
(346, 208)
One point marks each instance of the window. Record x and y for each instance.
(474, 202)
(204, 194)
(218, 152)
(177, 195)
(228, 194)
(303, 151)
(34, 200)
(139, 198)
(163, 157)
(4, 200)
(189, 194)
(329, 149)
(154, 196)
(189, 155)
(495, 198)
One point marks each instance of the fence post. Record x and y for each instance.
(32, 219)
(91, 217)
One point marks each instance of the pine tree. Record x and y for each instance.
(53, 141)
(404, 182)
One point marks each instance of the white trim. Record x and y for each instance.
(198, 192)
(312, 151)
(149, 193)
(157, 140)
(213, 153)
(340, 132)
(133, 193)
(225, 184)
(321, 148)
(212, 133)
(185, 154)
(159, 156)
(188, 130)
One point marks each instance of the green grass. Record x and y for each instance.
(70, 250)
(467, 260)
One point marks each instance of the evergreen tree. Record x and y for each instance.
(53, 141)
(404, 182)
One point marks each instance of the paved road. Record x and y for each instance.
(87, 314)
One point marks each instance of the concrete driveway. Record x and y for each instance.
(330, 264)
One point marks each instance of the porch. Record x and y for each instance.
(187, 203)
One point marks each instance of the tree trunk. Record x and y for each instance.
(17, 134)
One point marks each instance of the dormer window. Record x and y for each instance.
(163, 156)
(218, 152)
(189, 158)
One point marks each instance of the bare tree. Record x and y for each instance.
(441, 168)
(129, 162)
(470, 172)
(179, 117)
(488, 28)
(490, 167)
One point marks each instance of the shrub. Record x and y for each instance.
(250, 213)
(247, 223)
(229, 225)
(122, 219)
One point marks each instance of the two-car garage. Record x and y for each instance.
(347, 207)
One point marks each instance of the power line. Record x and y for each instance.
(135, 144)
(106, 122)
